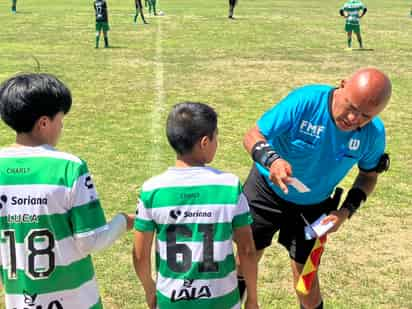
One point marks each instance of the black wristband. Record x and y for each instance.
(353, 200)
(264, 154)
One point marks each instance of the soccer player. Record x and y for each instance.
(232, 4)
(50, 214)
(13, 6)
(196, 212)
(139, 9)
(152, 7)
(102, 21)
(350, 11)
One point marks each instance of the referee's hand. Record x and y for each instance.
(279, 173)
(337, 217)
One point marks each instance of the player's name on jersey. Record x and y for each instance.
(17, 170)
(22, 218)
(193, 195)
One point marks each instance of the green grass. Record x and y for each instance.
(122, 96)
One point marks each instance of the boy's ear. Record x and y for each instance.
(204, 141)
(42, 123)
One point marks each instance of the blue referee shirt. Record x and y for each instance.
(301, 129)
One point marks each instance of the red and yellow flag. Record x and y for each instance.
(311, 266)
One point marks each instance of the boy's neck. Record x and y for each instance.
(182, 161)
(27, 140)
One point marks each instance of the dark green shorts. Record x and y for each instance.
(351, 27)
(102, 25)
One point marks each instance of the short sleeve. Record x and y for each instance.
(242, 215)
(376, 149)
(143, 221)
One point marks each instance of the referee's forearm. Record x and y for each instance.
(366, 181)
(251, 138)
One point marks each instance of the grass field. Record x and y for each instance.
(242, 67)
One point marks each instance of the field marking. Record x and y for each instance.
(159, 102)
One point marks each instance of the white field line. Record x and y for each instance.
(157, 127)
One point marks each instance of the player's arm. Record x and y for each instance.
(143, 265)
(363, 12)
(342, 13)
(248, 262)
(105, 236)
(91, 232)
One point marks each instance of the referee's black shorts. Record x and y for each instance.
(271, 214)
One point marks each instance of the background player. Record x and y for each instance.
(350, 11)
(232, 4)
(196, 211)
(102, 21)
(152, 7)
(139, 9)
(13, 6)
(50, 214)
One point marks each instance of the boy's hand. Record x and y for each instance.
(251, 304)
(130, 220)
(151, 297)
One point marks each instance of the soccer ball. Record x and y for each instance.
(160, 13)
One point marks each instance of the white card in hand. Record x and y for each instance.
(298, 185)
(319, 228)
(316, 229)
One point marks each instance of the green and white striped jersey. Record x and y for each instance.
(194, 212)
(47, 199)
(352, 9)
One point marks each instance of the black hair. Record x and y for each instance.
(187, 123)
(25, 98)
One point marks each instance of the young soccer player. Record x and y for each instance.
(13, 6)
(50, 214)
(102, 21)
(232, 4)
(196, 212)
(139, 10)
(350, 11)
(152, 7)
